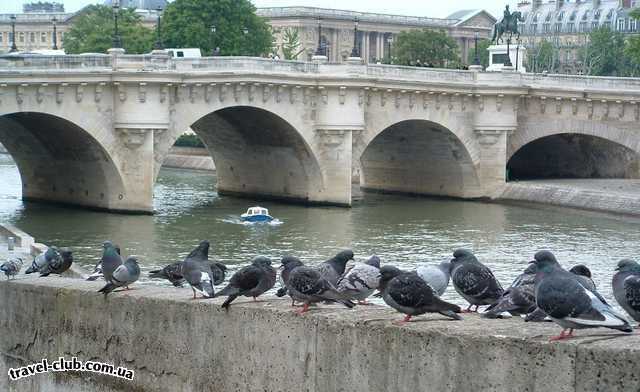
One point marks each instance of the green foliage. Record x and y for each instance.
(291, 44)
(604, 54)
(188, 24)
(483, 53)
(93, 31)
(543, 57)
(189, 140)
(425, 47)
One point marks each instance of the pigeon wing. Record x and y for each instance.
(632, 291)
(476, 280)
(246, 278)
(566, 298)
(410, 290)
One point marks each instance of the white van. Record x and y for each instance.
(185, 52)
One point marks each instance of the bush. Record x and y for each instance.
(189, 140)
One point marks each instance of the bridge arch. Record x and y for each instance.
(258, 152)
(62, 161)
(572, 149)
(418, 156)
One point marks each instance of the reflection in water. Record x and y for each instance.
(401, 230)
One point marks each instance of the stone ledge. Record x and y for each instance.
(176, 344)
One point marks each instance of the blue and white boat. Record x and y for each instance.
(256, 214)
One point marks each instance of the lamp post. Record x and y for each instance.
(508, 62)
(355, 52)
(476, 59)
(517, 52)
(214, 49)
(14, 48)
(158, 45)
(117, 42)
(55, 32)
(319, 50)
(390, 41)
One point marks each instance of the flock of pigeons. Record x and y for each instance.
(543, 291)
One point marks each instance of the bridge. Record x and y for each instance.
(93, 131)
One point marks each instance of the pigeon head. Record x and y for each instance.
(581, 270)
(261, 262)
(110, 251)
(66, 253)
(201, 251)
(344, 256)
(107, 244)
(290, 262)
(545, 261)
(462, 256)
(627, 265)
(387, 273)
(132, 260)
(373, 261)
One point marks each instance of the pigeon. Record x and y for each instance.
(436, 276)
(409, 294)
(308, 285)
(360, 281)
(123, 276)
(333, 268)
(97, 270)
(519, 298)
(40, 262)
(59, 265)
(11, 267)
(626, 287)
(473, 280)
(568, 302)
(582, 270)
(250, 281)
(171, 272)
(111, 260)
(288, 263)
(197, 272)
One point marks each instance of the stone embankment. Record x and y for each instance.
(176, 344)
(189, 158)
(618, 196)
(3, 149)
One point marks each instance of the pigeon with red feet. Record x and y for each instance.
(333, 268)
(197, 272)
(473, 280)
(250, 281)
(519, 298)
(361, 281)
(626, 287)
(307, 285)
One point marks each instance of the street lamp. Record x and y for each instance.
(214, 50)
(476, 60)
(158, 45)
(117, 42)
(55, 32)
(319, 50)
(14, 48)
(245, 31)
(390, 41)
(355, 52)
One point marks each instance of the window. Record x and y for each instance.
(585, 16)
(583, 27)
(560, 16)
(548, 18)
(573, 16)
(606, 25)
(534, 28)
(32, 37)
(1, 37)
(570, 28)
(621, 24)
(43, 37)
(546, 27)
(535, 17)
(21, 37)
(594, 26)
(609, 14)
(558, 27)
(632, 25)
(596, 15)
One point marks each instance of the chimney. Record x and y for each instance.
(559, 4)
(536, 4)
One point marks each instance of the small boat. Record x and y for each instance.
(256, 214)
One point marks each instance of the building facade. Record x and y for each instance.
(376, 32)
(567, 24)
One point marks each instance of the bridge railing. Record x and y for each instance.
(243, 64)
(64, 62)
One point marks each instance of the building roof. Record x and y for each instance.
(571, 13)
(326, 13)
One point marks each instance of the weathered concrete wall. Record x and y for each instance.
(189, 158)
(176, 344)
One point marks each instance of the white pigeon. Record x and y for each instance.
(359, 282)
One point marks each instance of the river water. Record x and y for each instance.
(403, 231)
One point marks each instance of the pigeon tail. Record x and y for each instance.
(227, 303)
(206, 290)
(445, 306)
(109, 287)
(451, 314)
(229, 291)
(346, 303)
(159, 274)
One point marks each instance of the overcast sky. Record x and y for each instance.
(433, 8)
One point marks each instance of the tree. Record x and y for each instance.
(231, 25)
(483, 53)
(632, 48)
(604, 53)
(425, 47)
(291, 44)
(543, 57)
(93, 31)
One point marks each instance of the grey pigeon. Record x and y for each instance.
(307, 285)
(566, 300)
(333, 268)
(436, 276)
(359, 282)
(110, 260)
(41, 262)
(584, 276)
(519, 298)
(123, 276)
(626, 287)
(409, 294)
(59, 265)
(250, 281)
(473, 280)
(97, 270)
(197, 272)
(288, 263)
(171, 272)
(11, 267)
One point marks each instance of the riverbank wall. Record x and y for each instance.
(173, 343)
(621, 197)
(189, 158)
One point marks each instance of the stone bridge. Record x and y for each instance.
(94, 130)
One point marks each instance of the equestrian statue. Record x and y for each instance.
(508, 25)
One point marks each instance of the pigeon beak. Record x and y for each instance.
(532, 262)
(617, 269)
